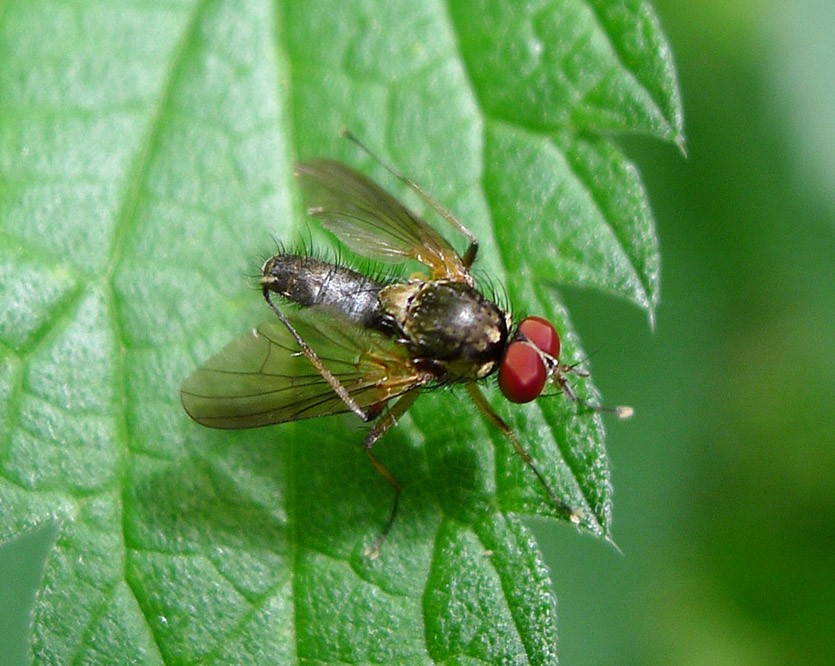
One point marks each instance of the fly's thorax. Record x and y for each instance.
(309, 282)
(449, 325)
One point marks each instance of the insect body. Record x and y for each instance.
(355, 343)
(448, 327)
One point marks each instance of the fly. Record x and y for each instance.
(355, 343)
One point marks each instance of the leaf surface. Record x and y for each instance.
(146, 155)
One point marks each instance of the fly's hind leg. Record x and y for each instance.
(437, 206)
(388, 421)
(382, 426)
(311, 355)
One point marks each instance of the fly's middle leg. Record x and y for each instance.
(390, 419)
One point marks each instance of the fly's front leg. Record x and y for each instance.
(390, 419)
(574, 515)
(307, 350)
(437, 206)
(621, 411)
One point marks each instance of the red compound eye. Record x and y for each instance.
(522, 374)
(542, 334)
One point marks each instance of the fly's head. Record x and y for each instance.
(532, 360)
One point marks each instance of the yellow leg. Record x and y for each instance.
(389, 420)
(574, 515)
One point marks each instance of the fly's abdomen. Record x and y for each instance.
(312, 282)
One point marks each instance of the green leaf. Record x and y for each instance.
(146, 154)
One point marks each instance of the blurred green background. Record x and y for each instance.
(725, 500)
(724, 485)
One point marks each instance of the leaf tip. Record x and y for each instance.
(681, 142)
(611, 541)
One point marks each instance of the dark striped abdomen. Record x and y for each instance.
(309, 281)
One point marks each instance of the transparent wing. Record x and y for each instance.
(261, 378)
(371, 222)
